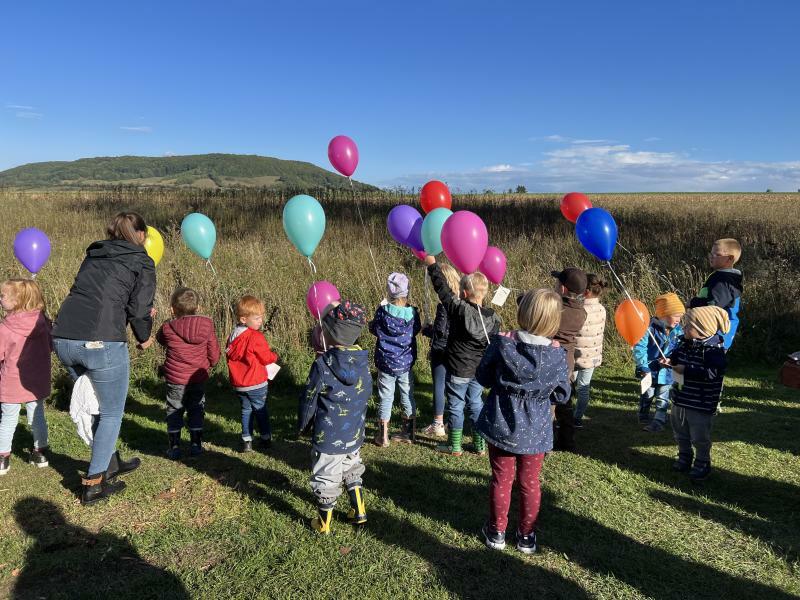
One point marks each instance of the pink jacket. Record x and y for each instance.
(25, 346)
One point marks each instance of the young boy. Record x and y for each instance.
(192, 351)
(396, 326)
(570, 285)
(723, 287)
(248, 355)
(333, 406)
(663, 335)
(700, 362)
(471, 326)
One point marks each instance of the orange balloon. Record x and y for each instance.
(632, 319)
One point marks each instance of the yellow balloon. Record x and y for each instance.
(154, 244)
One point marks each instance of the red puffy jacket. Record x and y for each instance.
(192, 349)
(248, 356)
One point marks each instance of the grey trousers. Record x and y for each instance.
(692, 428)
(330, 471)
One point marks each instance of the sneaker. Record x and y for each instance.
(494, 539)
(38, 458)
(435, 429)
(526, 543)
(700, 472)
(654, 426)
(5, 464)
(265, 443)
(247, 446)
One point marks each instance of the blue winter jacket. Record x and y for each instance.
(396, 328)
(525, 375)
(646, 354)
(723, 288)
(335, 398)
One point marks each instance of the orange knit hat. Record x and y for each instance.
(669, 304)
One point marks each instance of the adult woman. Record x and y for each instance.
(114, 287)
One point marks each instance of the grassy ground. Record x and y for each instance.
(616, 522)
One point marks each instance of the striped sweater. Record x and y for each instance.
(704, 367)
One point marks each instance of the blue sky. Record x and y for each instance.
(596, 96)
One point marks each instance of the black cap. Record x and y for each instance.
(572, 278)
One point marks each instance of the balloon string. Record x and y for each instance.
(653, 271)
(213, 270)
(364, 227)
(428, 304)
(312, 265)
(319, 315)
(636, 308)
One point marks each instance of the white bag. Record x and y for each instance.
(82, 406)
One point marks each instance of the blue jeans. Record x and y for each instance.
(386, 385)
(661, 395)
(583, 381)
(463, 391)
(9, 417)
(108, 368)
(439, 373)
(254, 408)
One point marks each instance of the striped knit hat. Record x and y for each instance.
(707, 320)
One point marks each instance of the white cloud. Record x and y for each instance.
(652, 139)
(19, 107)
(169, 153)
(29, 115)
(498, 169)
(138, 128)
(565, 139)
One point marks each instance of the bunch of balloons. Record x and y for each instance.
(595, 227)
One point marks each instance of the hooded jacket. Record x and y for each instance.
(704, 368)
(438, 332)
(573, 316)
(396, 328)
(723, 288)
(646, 351)
(589, 340)
(248, 355)
(25, 347)
(334, 401)
(113, 288)
(525, 374)
(192, 349)
(471, 327)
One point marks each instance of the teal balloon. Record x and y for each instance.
(432, 230)
(304, 223)
(199, 233)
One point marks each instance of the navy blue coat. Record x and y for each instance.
(704, 365)
(524, 379)
(396, 328)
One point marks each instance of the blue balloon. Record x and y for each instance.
(304, 223)
(199, 233)
(432, 230)
(597, 232)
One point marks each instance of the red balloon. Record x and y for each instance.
(434, 194)
(573, 204)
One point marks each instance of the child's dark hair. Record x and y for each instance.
(595, 284)
(184, 301)
(125, 226)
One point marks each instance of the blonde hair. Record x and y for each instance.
(730, 247)
(248, 306)
(125, 226)
(27, 294)
(452, 278)
(474, 283)
(539, 312)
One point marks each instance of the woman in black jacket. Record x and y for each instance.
(114, 288)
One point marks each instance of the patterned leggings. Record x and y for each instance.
(506, 467)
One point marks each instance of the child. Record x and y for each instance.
(438, 332)
(333, 406)
(192, 351)
(663, 336)
(471, 326)
(25, 346)
(700, 361)
(589, 344)
(525, 373)
(723, 287)
(396, 326)
(248, 355)
(570, 285)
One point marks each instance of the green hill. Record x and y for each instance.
(201, 170)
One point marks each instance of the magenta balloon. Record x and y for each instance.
(405, 226)
(317, 299)
(343, 154)
(493, 264)
(464, 240)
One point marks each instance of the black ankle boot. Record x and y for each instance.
(174, 452)
(97, 487)
(196, 447)
(118, 466)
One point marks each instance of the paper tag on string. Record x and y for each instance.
(272, 370)
(646, 383)
(500, 296)
(677, 378)
(384, 302)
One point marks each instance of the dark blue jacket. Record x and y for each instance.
(723, 288)
(396, 328)
(335, 400)
(525, 375)
(438, 332)
(704, 368)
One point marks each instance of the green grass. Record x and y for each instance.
(616, 522)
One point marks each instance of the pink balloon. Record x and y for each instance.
(464, 240)
(420, 254)
(343, 154)
(493, 265)
(317, 299)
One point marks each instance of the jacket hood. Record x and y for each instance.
(114, 248)
(481, 322)
(396, 320)
(572, 302)
(347, 363)
(192, 329)
(32, 323)
(543, 358)
(732, 276)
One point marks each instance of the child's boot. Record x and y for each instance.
(479, 443)
(658, 423)
(5, 464)
(97, 487)
(406, 434)
(683, 463)
(174, 452)
(382, 434)
(453, 445)
(196, 447)
(700, 471)
(322, 522)
(358, 510)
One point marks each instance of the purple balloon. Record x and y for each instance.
(465, 239)
(405, 226)
(343, 154)
(32, 248)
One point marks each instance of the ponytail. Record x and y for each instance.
(125, 226)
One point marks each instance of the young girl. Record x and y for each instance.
(438, 332)
(589, 344)
(525, 373)
(25, 346)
